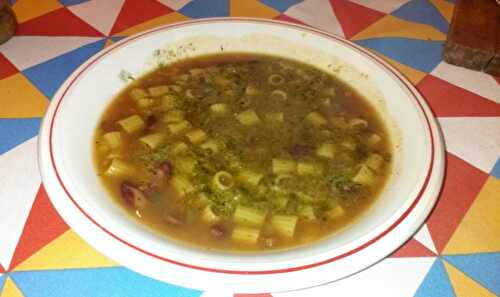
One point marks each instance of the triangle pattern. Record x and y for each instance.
(72, 2)
(56, 255)
(496, 169)
(16, 131)
(411, 74)
(448, 100)
(199, 9)
(318, 14)
(10, 289)
(20, 99)
(345, 10)
(28, 9)
(422, 55)
(444, 8)
(465, 286)
(129, 15)
(280, 5)
(391, 26)
(412, 248)
(92, 13)
(436, 282)
(49, 75)
(285, 18)
(253, 295)
(102, 282)
(18, 187)
(482, 132)
(483, 268)
(27, 51)
(109, 42)
(2, 270)
(159, 21)
(479, 230)
(424, 237)
(175, 4)
(422, 11)
(2, 281)
(217, 294)
(461, 185)
(6, 67)
(60, 22)
(386, 6)
(476, 82)
(42, 226)
(251, 8)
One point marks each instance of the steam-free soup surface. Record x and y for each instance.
(242, 152)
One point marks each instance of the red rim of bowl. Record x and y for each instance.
(353, 46)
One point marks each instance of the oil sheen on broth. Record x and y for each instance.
(242, 152)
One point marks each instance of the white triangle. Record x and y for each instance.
(474, 81)
(386, 6)
(395, 277)
(424, 237)
(473, 139)
(26, 51)
(175, 4)
(19, 184)
(318, 14)
(100, 14)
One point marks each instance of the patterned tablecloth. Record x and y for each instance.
(456, 252)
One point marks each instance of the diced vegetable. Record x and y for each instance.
(281, 166)
(248, 118)
(222, 181)
(173, 116)
(275, 117)
(306, 168)
(374, 161)
(284, 224)
(315, 118)
(249, 216)
(209, 216)
(119, 168)
(336, 212)
(364, 176)
(179, 127)
(339, 122)
(251, 90)
(196, 136)
(179, 148)
(219, 108)
(250, 178)
(144, 103)
(358, 123)
(168, 102)
(153, 140)
(373, 140)
(326, 150)
(185, 165)
(307, 212)
(113, 139)
(246, 235)
(210, 145)
(132, 124)
(138, 93)
(158, 90)
(181, 185)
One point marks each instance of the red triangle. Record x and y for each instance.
(42, 226)
(462, 183)
(6, 67)
(448, 100)
(253, 295)
(284, 17)
(353, 17)
(60, 22)
(497, 78)
(2, 270)
(136, 12)
(412, 248)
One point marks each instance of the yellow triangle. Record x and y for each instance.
(66, 251)
(463, 285)
(413, 75)
(390, 26)
(10, 289)
(479, 231)
(162, 20)
(251, 8)
(19, 98)
(28, 9)
(445, 8)
(108, 42)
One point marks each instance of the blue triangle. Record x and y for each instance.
(49, 75)
(71, 2)
(436, 283)
(422, 11)
(2, 280)
(200, 9)
(483, 268)
(281, 5)
(15, 131)
(117, 38)
(96, 282)
(496, 169)
(423, 55)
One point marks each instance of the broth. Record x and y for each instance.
(242, 152)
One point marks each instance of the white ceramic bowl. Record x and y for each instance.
(65, 157)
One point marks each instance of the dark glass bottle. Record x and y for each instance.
(8, 22)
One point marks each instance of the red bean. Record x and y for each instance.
(217, 231)
(133, 195)
(164, 170)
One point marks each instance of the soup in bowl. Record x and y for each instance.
(247, 160)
